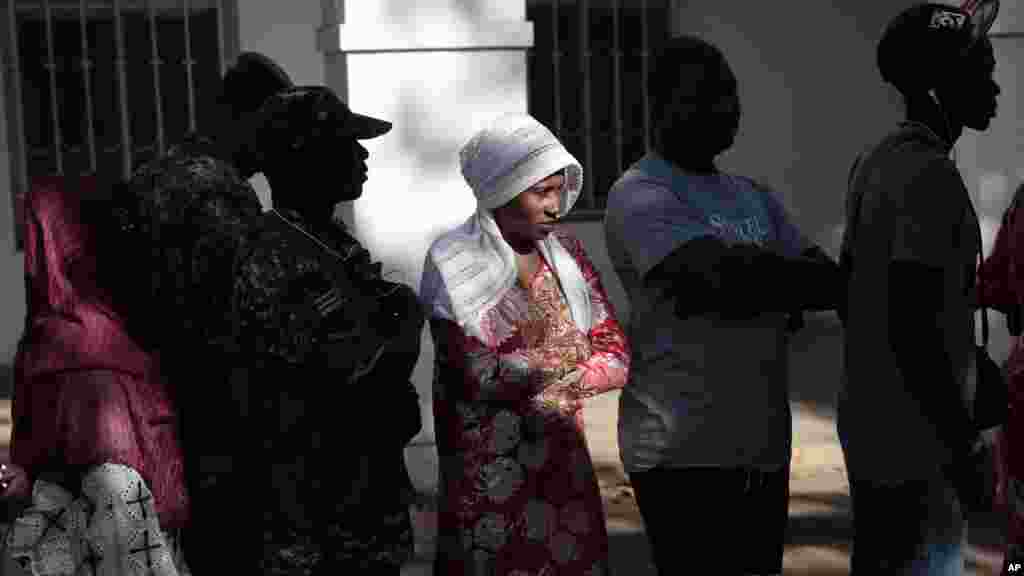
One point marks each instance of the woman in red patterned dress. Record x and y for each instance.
(1002, 288)
(523, 332)
(94, 425)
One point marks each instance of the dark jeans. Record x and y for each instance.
(891, 523)
(726, 521)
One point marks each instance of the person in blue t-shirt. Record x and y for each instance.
(714, 269)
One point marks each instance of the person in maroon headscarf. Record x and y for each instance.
(94, 426)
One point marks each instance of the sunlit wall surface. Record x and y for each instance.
(439, 70)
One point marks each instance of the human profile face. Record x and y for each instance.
(970, 97)
(530, 216)
(354, 156)
(336, 164)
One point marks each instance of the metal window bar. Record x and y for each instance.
(122, 83)
(90, 121)
(157, 93)
(617, 84)
(188, 68)
(586, 131)
(556, 68)
(51, 67)
(50, 11)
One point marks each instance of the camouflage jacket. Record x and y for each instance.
(312, 307)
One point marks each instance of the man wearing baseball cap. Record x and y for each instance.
(911, 242)
(328, 342)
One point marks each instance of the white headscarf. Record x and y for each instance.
(469, 269)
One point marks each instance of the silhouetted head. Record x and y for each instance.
(167, 252)
(942, 52)
(245, 87)
(695, 107)
(308, 136)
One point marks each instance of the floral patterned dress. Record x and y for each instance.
(519, 492)
(1002, 287)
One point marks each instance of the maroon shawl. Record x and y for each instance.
(85, 391)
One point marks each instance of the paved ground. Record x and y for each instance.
(820, 526)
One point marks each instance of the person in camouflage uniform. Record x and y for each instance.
(324, 332)
(182, 221)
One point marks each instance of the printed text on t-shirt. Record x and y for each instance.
(746, 230)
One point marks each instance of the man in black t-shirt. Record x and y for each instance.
(911, 242)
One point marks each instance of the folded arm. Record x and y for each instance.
(492, 376)
(706, 275)
(607, 368)
(389, 381)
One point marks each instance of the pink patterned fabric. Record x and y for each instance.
(1003, 289)
(85, 393)
(519, 492)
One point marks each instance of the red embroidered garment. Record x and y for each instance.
(1003, 289)
(85, 393)
(519, 493)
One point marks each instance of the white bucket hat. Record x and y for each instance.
(469, 269)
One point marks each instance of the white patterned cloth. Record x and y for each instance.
(469, 269)
(110, 530)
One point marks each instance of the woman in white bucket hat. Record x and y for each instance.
(524, 332)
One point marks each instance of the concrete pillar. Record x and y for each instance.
(439, 70)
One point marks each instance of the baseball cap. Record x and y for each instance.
(308, 112)
(923, 41)
(251, 79)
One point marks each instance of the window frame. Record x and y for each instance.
(11, 81)
(549, 33)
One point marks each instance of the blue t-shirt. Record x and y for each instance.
(704, 391)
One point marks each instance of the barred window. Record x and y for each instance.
(99, 87)
(587, 81)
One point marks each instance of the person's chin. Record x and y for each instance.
(983, 120)
(980, 124)
(351, 193)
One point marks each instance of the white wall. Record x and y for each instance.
(439, 70)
